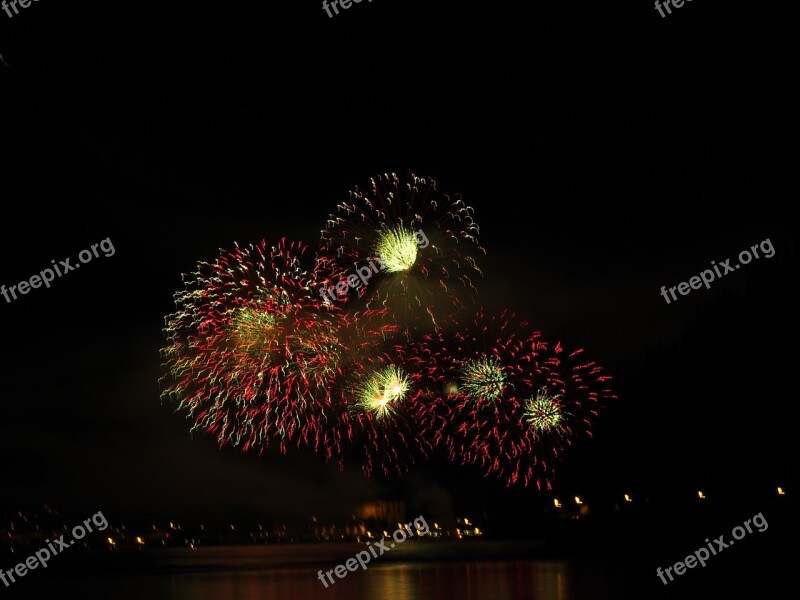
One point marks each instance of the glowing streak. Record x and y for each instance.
(483, 378)
(543, 412)
(397, 249)
(253, 330)
(383, 390)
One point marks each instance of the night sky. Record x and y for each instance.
(606, 151)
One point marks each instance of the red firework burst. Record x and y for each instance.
(402, 244)
(513, 402)
(380, 400)
(252, 350)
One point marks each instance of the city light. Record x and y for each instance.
(464, 528)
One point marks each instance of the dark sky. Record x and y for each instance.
(606, 151)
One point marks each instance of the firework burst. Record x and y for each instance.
(543, 412)
(383, 398)
(511, 401)
(382, 391)
(251, 351)
(482, 377)
(262, 352)
(425, 240)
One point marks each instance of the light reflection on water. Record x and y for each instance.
(472, 581)
(291, 573)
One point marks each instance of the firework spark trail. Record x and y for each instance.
(251, 352)
(382, 397)
(511, 401)
(417, 283)
(255, 357)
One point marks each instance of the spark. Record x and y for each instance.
(483, 378)
(543, 412)
(397, 249)
(383, 390)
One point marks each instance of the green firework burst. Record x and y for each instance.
(397, 249)
(543, 412)
(483, 378)
(383, 390)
